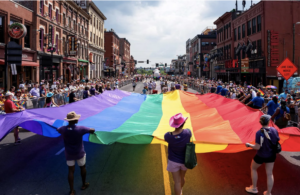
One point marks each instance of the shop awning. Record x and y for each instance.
(80, 60)
(24, 63)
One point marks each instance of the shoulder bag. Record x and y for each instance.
(190, 155)
(275, 147)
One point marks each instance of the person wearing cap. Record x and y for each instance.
(74, 148)
(10, 107)
(50, 101)
(177, 141)
(265, 138)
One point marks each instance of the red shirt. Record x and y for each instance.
(9, 106)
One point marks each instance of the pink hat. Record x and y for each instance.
(177, 120)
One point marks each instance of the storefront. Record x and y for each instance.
(49, 66)
(83, 68)
(25, 73)
(70, 70)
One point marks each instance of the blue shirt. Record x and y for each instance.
(258, 101)
(282, 96)
(224, 92)
(272, 106)
(219, 88)
(266, 150)
(35, 92)
(281, 113)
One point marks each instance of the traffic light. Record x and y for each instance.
(147, 61)
(13, 52)
(165, 64)
(156, 65)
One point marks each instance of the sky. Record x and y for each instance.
(158, 30)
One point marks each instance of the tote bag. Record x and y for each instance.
(190, 155)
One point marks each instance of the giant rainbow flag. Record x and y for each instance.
(218, 124)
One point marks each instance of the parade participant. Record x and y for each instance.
(258, 101)
(153, 85)
(177, 86)
(224, 91)
(282, 115)
(172, 85)
(283, 96)
(86, 93)
(177, 141)
(10, 107)
(213, 89)
(19, 100)
(185, 87)
(219, 88)
(43, 93)
(165, 89)
(74, 148)
(265, 140)
(144, 91)
(272, 106)
(117, 84)
(35, 92)
(50, 101)
(233, 94)
(12, 89)
(93, 90)
(108, 87)
(133, 85)
(150, 87)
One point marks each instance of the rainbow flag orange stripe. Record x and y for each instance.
(262, 93)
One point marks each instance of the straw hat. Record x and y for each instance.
(72, 116)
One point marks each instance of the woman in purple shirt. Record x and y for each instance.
(177, 141)
(265, 138)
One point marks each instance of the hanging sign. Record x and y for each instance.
(17, 30)
(72, 45)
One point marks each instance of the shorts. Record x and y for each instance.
(80, 162)
(174, 166)
(261, 160)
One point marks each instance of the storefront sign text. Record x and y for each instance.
(273, 51)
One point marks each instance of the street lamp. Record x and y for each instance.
(294, 27)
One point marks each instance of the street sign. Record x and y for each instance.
(287, 69)
(141, 61)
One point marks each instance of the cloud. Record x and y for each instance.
(158, 30)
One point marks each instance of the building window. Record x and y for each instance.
(74, 25)
(258, 23)
(27, 38)
(57, 16)
(56, 43)
(234, 31)
(42, 39)
(94, 22)
(50, 11)
(91, 36)
(2, 29)
(64, 19)
(259, 47)
(42, 7)
(239, 33)
(253, 25)
(64, 42)
(94, 38)
(243, 30)
(249, 28)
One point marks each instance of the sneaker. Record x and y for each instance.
(266, 193)
(18, 142)
(251, 190)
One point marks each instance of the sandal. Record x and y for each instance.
(72, 192)
(85, 186)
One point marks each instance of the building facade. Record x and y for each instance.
(112, 52)
(125, 53)
(259, 39)
(11, 12)
(96, 41)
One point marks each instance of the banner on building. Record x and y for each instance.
(93, 67)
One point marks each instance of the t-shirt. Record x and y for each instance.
(224, 92)
(258, 101)
(150, 85)
(71, 97)
(72, 135)
(177, 145)
(144, 91)
(213, 90)
(272, 106)
(9, 106)
(177, 86)
(219, 88)
(85, 94)
(92, 91)
(282, 96)
(266, 150)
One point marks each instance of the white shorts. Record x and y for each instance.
(80, 162)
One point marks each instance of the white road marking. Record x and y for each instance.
(58, 153)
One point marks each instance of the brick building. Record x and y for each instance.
(125, 53)
(261, 38)
(112, 52)
(11, 12)
(62, 25)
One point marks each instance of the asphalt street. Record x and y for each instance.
(38, 167)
